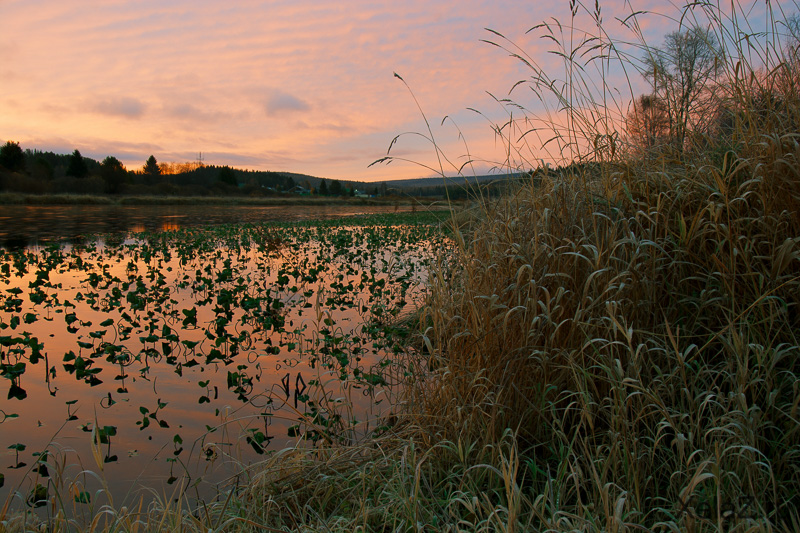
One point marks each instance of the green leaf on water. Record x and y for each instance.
(374, 379)
(191, 317)
(15, 391)
(105, 432)
(38, 496)
(12, 371)
(38, 297)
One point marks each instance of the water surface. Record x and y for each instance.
(179, 358)
(22, 225)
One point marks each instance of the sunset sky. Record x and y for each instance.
(302, 86)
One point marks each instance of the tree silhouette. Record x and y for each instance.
(323, 188)
(228, 176)
(151, 167)
(41, 168)
(336, 188)
(113, 173)
(11, 157)
(77, 166)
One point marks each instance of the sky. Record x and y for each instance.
(304, 86)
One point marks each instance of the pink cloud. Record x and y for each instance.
(124, 106)
(279, 102)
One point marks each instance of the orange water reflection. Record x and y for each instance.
(176, 346)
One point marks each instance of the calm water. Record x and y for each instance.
(180, 361)
(29, 225)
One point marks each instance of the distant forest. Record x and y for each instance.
(38, 172)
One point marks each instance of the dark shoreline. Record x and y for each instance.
(76, 199)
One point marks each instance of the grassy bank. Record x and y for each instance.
(613, 347)
(7, 198)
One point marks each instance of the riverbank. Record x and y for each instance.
(7, 198)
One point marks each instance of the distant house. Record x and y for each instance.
(297, 189)
(360, 194)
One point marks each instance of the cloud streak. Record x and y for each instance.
(279, 103)
(124, 106)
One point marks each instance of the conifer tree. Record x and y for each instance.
(77, 166)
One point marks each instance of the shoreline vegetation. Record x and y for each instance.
(611, 347)
(9, 198)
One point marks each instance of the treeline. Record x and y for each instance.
(39, 172)
(29, 171)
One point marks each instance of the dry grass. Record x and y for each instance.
(642, 348)
(634, 322)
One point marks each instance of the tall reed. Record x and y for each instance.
(633, 319)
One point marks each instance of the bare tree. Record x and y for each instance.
(681, 74)
(647, 123)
